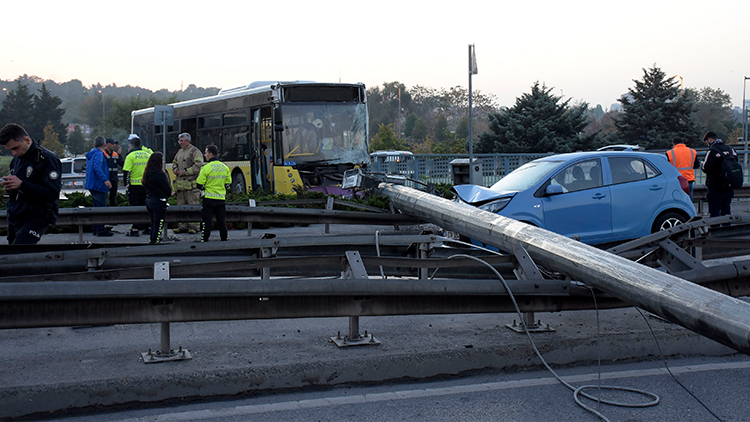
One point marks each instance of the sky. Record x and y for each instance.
(585, 50)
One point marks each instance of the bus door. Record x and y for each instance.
(256, 154)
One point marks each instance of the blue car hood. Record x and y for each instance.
(474, 194)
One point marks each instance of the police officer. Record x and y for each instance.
(112, 153)
(214, 178)
(132, 171)
(33, 186)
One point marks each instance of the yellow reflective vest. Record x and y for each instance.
(135, 163)
(214, 176)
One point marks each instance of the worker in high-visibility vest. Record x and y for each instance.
(214, 179)
(685, 159)
(132, 171)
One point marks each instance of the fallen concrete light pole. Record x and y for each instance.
(706, 312)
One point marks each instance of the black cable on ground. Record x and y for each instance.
(664, 359)
(577, 391)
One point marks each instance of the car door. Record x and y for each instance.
(583, 208)
(637, 190)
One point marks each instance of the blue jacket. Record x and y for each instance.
(97, 171)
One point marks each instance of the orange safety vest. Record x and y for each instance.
(683, 158)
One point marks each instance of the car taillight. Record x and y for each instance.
(684, 184)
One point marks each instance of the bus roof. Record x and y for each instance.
(239, 91)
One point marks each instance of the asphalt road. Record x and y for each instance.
(698, 389)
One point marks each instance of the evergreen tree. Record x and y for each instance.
(76, 145)
(47, 112)
(441, 126)
(411, 120)
(654, 112)
(385, 139)
(538, 122)
(462, 129)
(420, 129)
(51, 141)
(18, 107)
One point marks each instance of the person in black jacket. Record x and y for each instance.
(719, 194)
(158, 189)
(33, 186)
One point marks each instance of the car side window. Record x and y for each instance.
(581, 175)
(629, 169)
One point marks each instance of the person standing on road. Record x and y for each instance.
(685, 160)
(97, 180)
(33, 186)
(158, 189)
(112, 152)
(132, 172)
(214, 178)
(719, 194)
(186, 166)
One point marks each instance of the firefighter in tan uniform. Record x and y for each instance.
(186, 166)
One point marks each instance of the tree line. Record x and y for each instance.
(420, 119)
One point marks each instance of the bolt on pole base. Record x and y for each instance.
(533, 327)
(159, 356)
(346, 341)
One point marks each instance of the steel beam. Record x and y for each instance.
(706, 312)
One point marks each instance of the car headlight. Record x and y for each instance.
(495, 206)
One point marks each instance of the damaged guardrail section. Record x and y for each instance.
(706, 312)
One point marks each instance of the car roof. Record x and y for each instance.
(593, 154)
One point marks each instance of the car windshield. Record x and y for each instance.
(525, 176)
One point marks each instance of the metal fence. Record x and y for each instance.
(436, 168)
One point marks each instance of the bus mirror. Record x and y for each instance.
(278, 121)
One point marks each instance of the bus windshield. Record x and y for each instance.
(330, 133)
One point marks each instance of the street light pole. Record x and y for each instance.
(744, 120)
(100, 91)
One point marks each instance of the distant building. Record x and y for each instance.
(85, 129)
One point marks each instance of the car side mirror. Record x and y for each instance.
(553, 190)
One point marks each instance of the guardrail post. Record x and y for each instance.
(251, 204)
(265, 272)
(329, 207)
(354, 269)
(80, 233)
(165, 354)
(526, 269)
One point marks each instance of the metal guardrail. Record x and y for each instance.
(88, 216)
(436, 168)
(706, 312)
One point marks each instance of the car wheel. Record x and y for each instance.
(667, 221)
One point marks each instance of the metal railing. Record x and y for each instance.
(436, 168)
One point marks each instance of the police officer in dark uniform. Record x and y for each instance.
(33, 186)
(114, 162)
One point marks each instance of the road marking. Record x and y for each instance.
(424, 392)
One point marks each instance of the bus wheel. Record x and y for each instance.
(238, 183)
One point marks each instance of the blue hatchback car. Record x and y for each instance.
(600, 196)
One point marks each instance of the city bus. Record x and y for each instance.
(272, 135)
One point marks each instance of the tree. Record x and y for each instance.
(51, 141)
(654, 112)
(18, 107)
(411, 120)
(386, 139)
(47, 112)
(76, 144)
(420, 129)
(712, 111)
(538, 122)
(441, 127)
